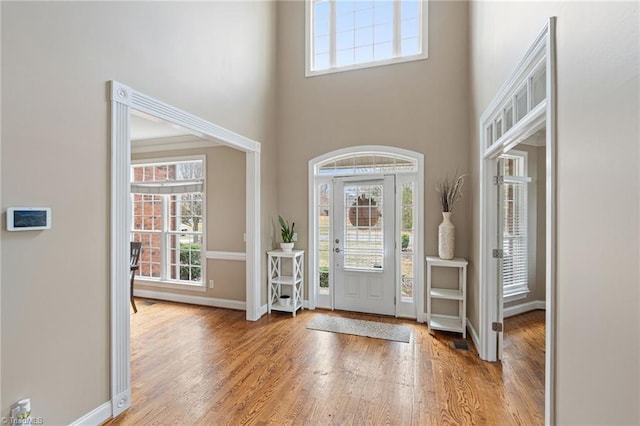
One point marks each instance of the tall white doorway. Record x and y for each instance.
(364, 244)
(366, 238)
(124, 101)
(523, 107)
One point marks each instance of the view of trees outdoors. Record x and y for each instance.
(361, 253)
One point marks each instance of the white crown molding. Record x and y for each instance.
(172, 143)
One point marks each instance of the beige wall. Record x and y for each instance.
(536, 215)
(421, 106)
(597, 307)
(225, 226)
(56, 60)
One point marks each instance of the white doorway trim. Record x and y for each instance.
(123, 101)
(542, 51)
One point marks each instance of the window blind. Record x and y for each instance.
(515, 259)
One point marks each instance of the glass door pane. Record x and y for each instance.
(363, 237)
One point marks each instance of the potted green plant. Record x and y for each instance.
(287, 235)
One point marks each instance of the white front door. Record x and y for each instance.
(364, 244)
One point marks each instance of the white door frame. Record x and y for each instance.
(388, 183)
(123, 101)
(543, 49)
(314, 178)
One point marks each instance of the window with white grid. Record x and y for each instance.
(168, 211)
(363, 238)
(324, 236)
(407, 256)
(515, 272)
(343, 35)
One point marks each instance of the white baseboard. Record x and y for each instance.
(524, 307)
(263, 310)
(474, 335)
(95, 417)
(193, 300)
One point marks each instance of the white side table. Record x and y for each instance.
(435, 321)
(291, 285)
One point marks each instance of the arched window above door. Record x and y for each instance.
(366, 163)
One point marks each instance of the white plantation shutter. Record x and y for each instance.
(514, 244)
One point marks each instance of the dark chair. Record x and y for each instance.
(136, 248)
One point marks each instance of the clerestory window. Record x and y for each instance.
(345, 35)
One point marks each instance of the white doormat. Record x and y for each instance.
(377, 330)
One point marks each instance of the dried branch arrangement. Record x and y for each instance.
(450, 191)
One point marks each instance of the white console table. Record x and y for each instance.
(442, 322)
(291, 285)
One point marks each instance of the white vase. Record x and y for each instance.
(286, 247)
(446, 237)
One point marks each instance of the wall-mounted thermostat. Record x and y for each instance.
(28, 218)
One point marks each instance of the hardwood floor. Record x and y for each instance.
(206, 366)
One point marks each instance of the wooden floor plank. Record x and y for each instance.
(202, 365)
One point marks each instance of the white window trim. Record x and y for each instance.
(520, 291)
(150, 282)
(424, 38)
(402, 178)
(177, 284)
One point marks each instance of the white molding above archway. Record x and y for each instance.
(124, 101)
